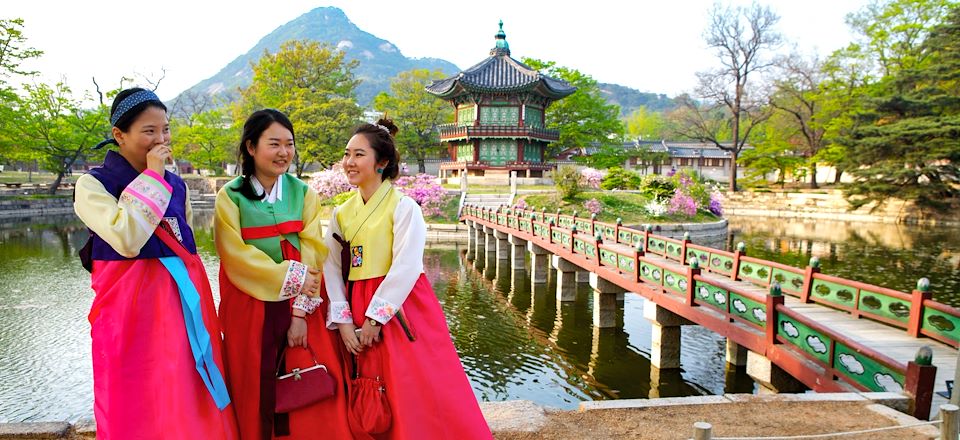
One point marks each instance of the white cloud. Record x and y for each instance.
(387, 47)
(888, 383)
(816, 344)
(345, 44)
(851, 364)
(790, 329)
(368, 55)
(739, 306)
(760, 315)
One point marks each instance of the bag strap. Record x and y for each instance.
(283, 354)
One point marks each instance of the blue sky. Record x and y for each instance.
(653, 46)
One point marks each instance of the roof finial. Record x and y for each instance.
(501, 47)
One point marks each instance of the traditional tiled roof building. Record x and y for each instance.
(499, 126)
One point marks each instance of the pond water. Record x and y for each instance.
(514, 339)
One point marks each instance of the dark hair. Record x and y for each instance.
(255, 125)
(382, 142)
(127, 119)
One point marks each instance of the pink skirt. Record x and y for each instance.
(145, 381)
(430, 396)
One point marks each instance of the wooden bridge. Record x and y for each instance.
(793, 328)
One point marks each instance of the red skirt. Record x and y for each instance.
(253, 333)
(429, 394)
(145, 379)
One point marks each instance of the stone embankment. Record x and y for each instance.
(828, 205)
(11, 207)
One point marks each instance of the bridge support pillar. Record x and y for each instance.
(604, 301)
(503, 246)
(517, 250)
(665, 335)
(583, 276)
(471, 240)
(478, 240)
(566, 279)
(539, 263)
(489, 241)
(736, 354)
(771, 377)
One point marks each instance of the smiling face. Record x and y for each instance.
(360, 162)
(148, 130)
(274, 151)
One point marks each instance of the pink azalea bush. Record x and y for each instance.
(681, 203)
(328, 183)
(591, 177)
(425, 191)
(521, 204)
(593, 206)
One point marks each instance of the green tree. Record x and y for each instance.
(57, 128)
(583, 118)
(314, 85)
(907, 144)
(205, 139)
(647, 125)
(775, 150)
(416, 113)
(13, 52)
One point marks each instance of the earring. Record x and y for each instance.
(379, 170)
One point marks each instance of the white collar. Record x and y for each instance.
(276, 193)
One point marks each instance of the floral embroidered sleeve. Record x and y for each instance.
(307, 303)
(409, 239)
(128, 222)
(333, 280)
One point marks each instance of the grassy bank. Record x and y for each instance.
(627, 206)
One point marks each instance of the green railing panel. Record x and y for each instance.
(565, 239)
(579, 246)
(555, 237)
(512, 222)
(883, 305)
(754, 312)
(608, 258)
(720, 264)
(651, 273)
(709, 294)
(675, 281)
(625, 237)
(866, 371)
(805, 338)
(674, 249)
(655, 245)
(943, 324)
(834, 293)
(565, 222)
(585, 227)
(701, 256)
(501, 219)
(591, 251)
(790, 282)
(637, 238)
(754, 272)
(525, 225)
(626, 263)
(609, 232)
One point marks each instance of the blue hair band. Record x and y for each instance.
(130, 102)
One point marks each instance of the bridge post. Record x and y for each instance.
(736, 354)
(919, 382)
(566, 278)
(917, 297)
(741, 251)
(604, 301)
(517, 250)
(539, 263)
(502, 245)
(665, 335)
(812, 268)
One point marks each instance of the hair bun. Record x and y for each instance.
(391, 127)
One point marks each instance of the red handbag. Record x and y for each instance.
(368, 403)
(303, 387)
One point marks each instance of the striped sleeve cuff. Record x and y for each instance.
(147, 198)
(307, 303)
(381, 310)
(293, 281)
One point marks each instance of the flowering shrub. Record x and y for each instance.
(682, 203)
(425, 191)
(521, 204)
(655, 208)
(591, 177)
(716, 203)
(593, 205)
(328, 183)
